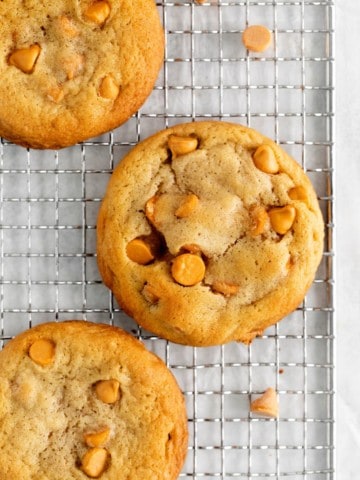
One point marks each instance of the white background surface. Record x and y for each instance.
(348, 238)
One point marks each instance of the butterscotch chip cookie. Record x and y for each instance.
(80, 400)
(231, 226)
(74, 69)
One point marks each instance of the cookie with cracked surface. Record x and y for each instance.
(74, 69)
(80, 400)
(209, 232)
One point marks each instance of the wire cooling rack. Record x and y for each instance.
(49, 203)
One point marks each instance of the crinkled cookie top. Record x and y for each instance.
(80, 400)
(208, 232)
(72, 69)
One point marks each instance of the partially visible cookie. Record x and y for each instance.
(74, 69)
(209, 232)
(80, 400)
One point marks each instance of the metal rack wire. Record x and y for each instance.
(49, 202)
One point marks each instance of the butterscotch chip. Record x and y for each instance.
(98, 12)
(256, 38)
(25, 58)
(266, 405)
(282, 218)
(54, 427)
(257, 249)
(227, 289)
(180, 145)
(150, 294)
(104, 54)
(108, 391)
(67, 27)
(187, 206)
(265, 160)
(150, 208)
(298, 193)
(109, 88)
(260, 219)
(94, 462)
(188, 269)
(191, 247)
(42, 352)
(97, 439)
(139, 251)
(73, 65)
(56, 94)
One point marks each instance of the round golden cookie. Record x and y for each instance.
(74, 69)
(209, 232)
(81, 400)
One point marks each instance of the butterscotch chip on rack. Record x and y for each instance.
(256, 38)
(266, 405)
(72, 70)
(82, 400)
(238, 228)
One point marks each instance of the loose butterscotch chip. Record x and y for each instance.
(260, 218)
(98, 12)
(42, 352)
(265, 160)
(140, 252)
(94, 462)
(298, 193)
(188, 269)
(282, 218)
(109, 88)
(97, 439)
(181, 145)
(25, 58)
(256, 38)
(267, 404)
(188, 206)
(108, 391)
(227, 289)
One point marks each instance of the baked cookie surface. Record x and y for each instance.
(208, 233)
(80, 400)
(74, 69)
